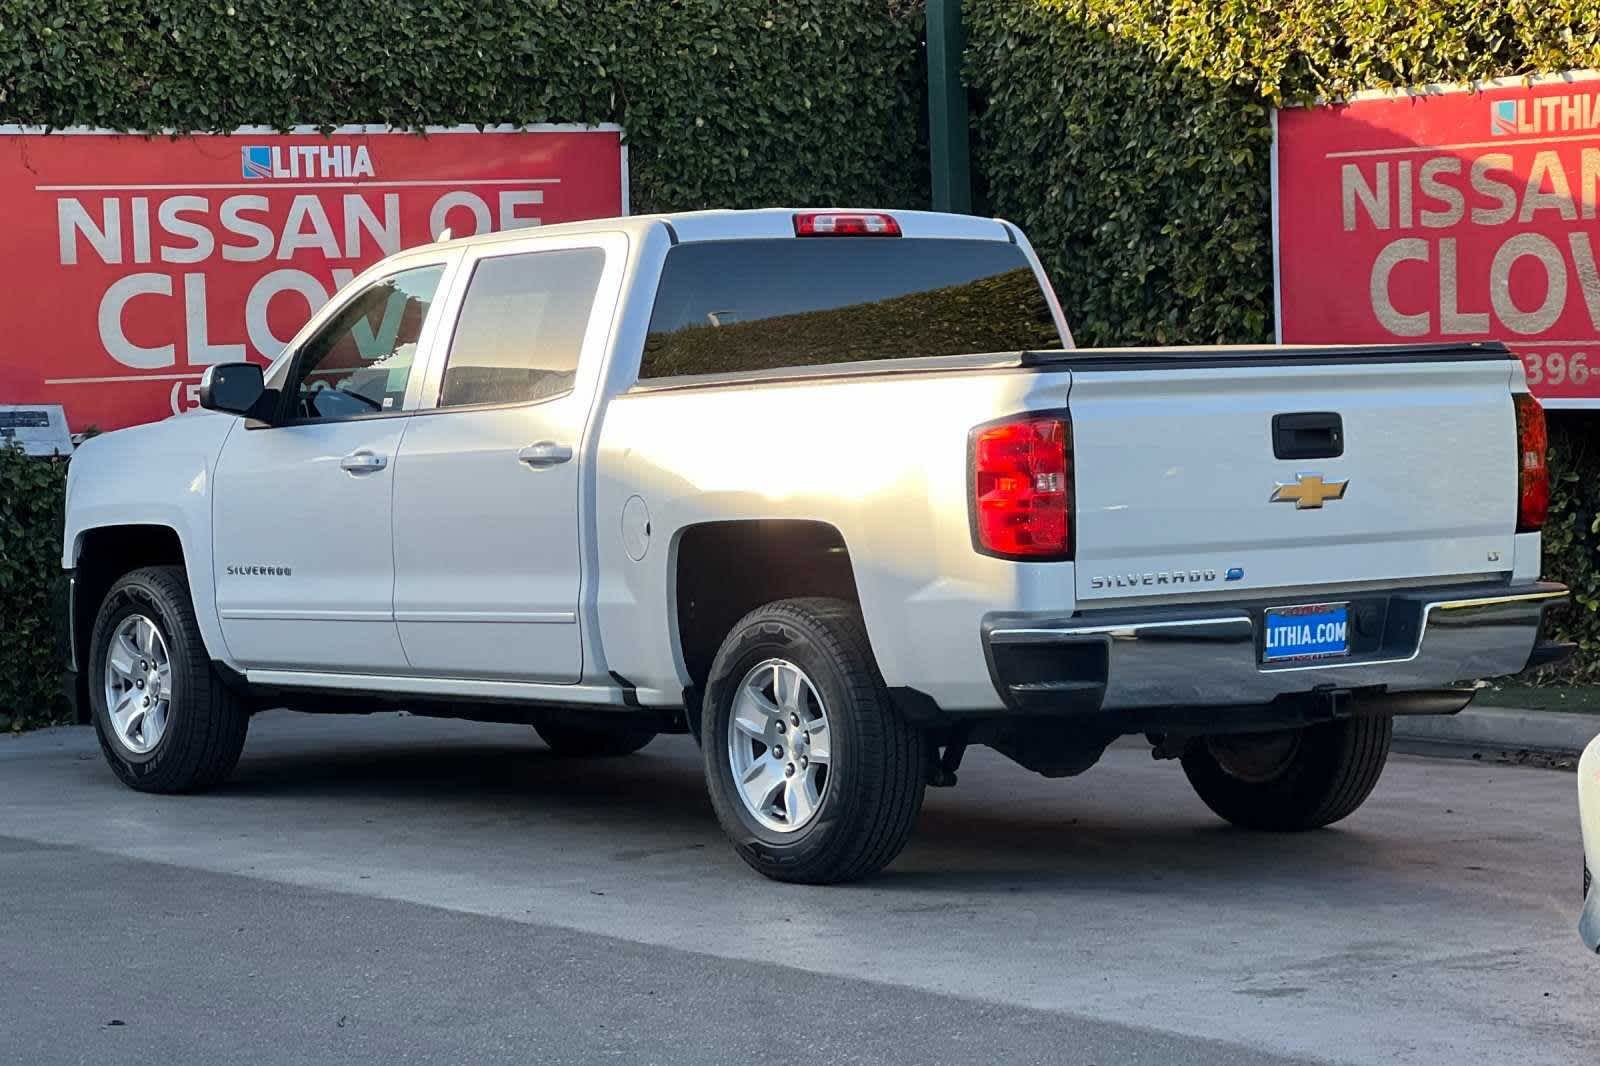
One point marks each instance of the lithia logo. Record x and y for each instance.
(1574, 112)
(260, 571)
(261, 162)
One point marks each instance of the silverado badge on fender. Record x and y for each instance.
(1308, 490)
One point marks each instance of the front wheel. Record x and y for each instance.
(815, 775)
(1291, 779)
(165, 720)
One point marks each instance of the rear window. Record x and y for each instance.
(520, 330)
(790, 302)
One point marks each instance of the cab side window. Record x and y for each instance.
(521, 327)
(359, 362)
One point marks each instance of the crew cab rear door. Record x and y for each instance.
(487, 517)
(1218, 476)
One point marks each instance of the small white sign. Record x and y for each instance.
(38, 429)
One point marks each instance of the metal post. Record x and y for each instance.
(948, 154)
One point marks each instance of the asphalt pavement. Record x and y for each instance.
(396, 889)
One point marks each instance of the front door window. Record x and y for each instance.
(359, 362)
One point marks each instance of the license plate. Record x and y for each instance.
(1314, 631)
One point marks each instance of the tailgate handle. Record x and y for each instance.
(1308, 435)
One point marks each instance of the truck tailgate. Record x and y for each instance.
(1180, 488)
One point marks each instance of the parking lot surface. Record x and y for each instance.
(395, 889)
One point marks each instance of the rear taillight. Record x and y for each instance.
(845, 224)
(1533, 474)
(1022, 488)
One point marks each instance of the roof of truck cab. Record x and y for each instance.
(691, 226)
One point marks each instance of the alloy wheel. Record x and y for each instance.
(779, 746)
(138, 684)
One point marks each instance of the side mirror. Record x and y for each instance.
(231, 387)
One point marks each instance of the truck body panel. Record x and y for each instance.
(831, 451)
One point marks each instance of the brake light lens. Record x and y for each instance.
(1022, 488)
(1533, 473)
(845, 224)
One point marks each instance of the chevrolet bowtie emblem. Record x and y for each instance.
(1308, 490)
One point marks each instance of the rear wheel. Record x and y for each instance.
(1291, 779)
(165, 720)
(584, 742)
(815, 775)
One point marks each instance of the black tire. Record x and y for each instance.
(1294, 780)
(600, 743)
(206, 721)
(879, 762)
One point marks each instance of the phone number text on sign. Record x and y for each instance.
(1448, 215)
(1557, 369)
(138, 262)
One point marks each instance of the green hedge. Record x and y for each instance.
(32, 498)
(1131, 139)
(1572, 539)
(727, 103)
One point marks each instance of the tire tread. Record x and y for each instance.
(886, 807)
(1337, 768)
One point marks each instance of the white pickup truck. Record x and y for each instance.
(740, 474)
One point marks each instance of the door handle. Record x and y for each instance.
(545, 453)
(363, 462)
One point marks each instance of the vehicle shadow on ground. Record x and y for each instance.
(973, 843)
(1137, 856)
(469, 773)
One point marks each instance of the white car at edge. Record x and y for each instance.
(1589, 814)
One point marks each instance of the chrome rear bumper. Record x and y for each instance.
(1410, 640)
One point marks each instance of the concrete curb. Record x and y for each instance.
(1498, 729)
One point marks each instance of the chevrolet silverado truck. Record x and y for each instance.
(830, 490)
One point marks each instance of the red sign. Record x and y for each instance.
(1448, 215)
(131, 263)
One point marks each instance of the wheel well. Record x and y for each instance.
(728, 569)
(105, 554)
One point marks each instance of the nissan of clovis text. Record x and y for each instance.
(833, 492)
